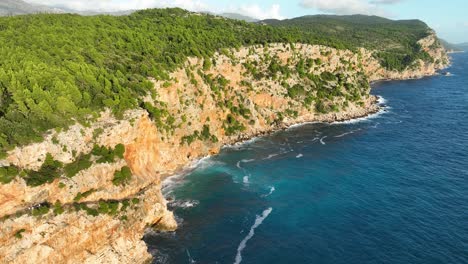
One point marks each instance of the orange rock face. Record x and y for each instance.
(154, 151)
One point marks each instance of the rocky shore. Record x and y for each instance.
(204, 108)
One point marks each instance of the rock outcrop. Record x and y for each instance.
(208, 103)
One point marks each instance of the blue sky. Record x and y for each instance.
(449, 18)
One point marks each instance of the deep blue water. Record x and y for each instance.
(389, 189)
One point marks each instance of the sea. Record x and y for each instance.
(390, 188)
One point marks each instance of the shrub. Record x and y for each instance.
(81, 163)
(7, 174)
(49, 170)
(40, 210)
(19, 233)
(122, 176)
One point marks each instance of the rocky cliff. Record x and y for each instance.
(96, 215)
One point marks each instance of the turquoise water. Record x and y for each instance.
(389, 189)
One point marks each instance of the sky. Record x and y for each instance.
(449, 18)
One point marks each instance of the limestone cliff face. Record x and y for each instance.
(417, 70)
(206, 104)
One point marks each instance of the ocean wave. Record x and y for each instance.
(381, 100)
(302, 124)
(184, 204)
(170, 183)
(241, 144)
(299, 155)
(272, 189)
(272, 156)
(245, 179)
(321, 140)
(363, 119)
(191, 260)
(238, 164)
(344, 134)
(258, 221)
(347, 133)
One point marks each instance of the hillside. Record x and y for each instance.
(462, 46)
(395, 41)
(450, 47)
(239, 17)
(18, 7)
(96, 111)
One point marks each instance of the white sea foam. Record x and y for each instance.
(258, 221)
(170, 183)
(272, 189)
(245, 180)
(362, 119)
(344, 134)
(272, 156)
(191, 260)
(321, 140)
(301, 124)
(184, 203)
(381, 100)
(299, 155)
(315, 139)
(347, 133)
(240, 144)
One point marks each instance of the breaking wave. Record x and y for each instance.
(258, 221)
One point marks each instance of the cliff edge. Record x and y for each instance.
(108, 187)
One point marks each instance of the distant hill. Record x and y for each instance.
(359, 30)
(18, 7)
(239, 17)
(463, 46)
(394, 40)
(450, 46)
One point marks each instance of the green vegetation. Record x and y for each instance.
(7, 174)
(81, 163)
(232, 125)
(50, 170)
(19, 233)
(58, 209)
(396, 41)
(105, 154)
(40, 210)
(203, 135)
(59, 69)
(122, 176)
(80, 196)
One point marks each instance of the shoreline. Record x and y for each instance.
(171, 181)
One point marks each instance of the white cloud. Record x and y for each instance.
(347, 7)
(256, 11)
(121, 5)
(251, 10)
(386, 2)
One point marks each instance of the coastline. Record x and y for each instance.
(157, 159)
(170, 181)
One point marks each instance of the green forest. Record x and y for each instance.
(395, 40)
(56, 70)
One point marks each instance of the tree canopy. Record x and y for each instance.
(57, 69)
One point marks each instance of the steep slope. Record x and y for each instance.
(87, 190)
(450, 47)
(394, 41)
